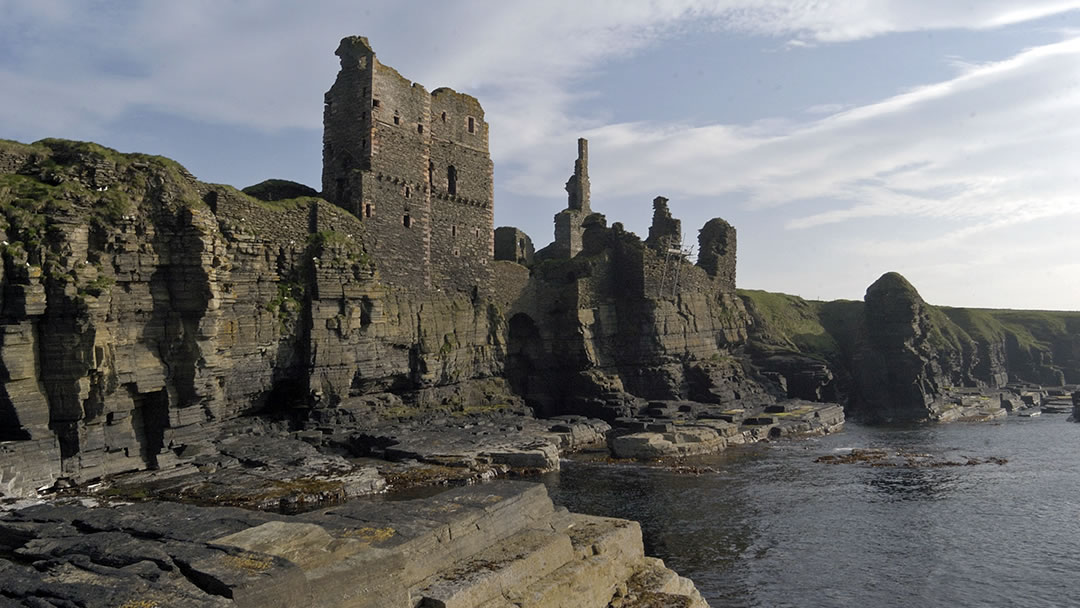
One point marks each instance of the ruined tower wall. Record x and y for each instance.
(415, 167)
(569, 222)
(462, 188)
(717, 247)
(347, 126)
(513, 245)
(395, 188)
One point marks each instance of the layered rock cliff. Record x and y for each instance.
(142, 309)
(894, 356)
(622, 323)
(140, 305)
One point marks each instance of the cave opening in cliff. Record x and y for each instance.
(11, 428)
(523, 353)
(150, 418)
(286, 394)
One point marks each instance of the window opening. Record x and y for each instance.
(453, 230)
(407, 192)
(406, 221)
(367, 210)
(472, 125)
(397, 120)
(374, 103)
(451, 179)
(420, 129)
(444, 116)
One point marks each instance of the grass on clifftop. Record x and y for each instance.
(790, 322)
(1030, 328)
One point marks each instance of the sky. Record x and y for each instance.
(843, 139)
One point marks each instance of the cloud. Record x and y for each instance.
(257, 63)
(988, 147)
(991, 143)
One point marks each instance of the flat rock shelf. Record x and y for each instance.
(501, 544)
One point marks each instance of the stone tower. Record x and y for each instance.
(568, 222)
(415, 167)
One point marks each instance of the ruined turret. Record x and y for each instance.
(665, 231)
(716, 252)
(568, 222)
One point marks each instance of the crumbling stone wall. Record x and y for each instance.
(513, 245)
(716, 252)
(569, 227)
(415, 168)
(462, 193)
(665, 232)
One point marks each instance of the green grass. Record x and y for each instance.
(787, 321)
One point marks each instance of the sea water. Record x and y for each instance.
(774, 525)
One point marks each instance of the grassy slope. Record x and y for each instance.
(828, 329)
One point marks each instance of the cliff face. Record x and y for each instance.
(894, 356)
(621, 324)
(141, 309)
(140, 306)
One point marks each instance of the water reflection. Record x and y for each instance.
(772, 527)
(903, 483)
(701, 524)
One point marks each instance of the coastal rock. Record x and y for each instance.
(494, 544)
(899, 372)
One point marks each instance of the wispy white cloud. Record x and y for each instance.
(991, 146)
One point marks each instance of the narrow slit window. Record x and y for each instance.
(367, 210)
(406, 221)
(451, 180)
(397, 120)
(453, 231)
(420, 129)
(444, 116)
(472, 125)
(408, 192)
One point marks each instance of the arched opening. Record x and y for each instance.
(524, 352)
(451, 180)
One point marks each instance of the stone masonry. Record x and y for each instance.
(415, 167)
(513, 245)
(569, 223)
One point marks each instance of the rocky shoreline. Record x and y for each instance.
(496, 545)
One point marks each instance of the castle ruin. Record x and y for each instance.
(415, 167)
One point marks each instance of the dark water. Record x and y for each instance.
(773, 528)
